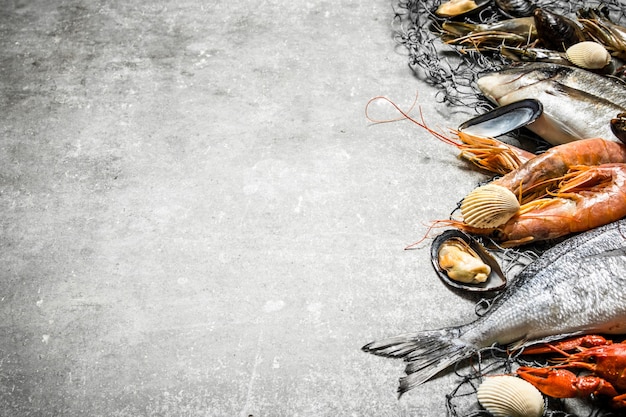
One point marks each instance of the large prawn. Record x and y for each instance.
(570, 188)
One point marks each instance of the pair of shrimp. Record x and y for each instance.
(570, 188)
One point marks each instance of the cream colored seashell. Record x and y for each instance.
(489, 206)
(589, 55)
(509, 396)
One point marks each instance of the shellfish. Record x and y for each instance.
(516, 8)
(618, 126)
(557, 31)
(588, 55)
(463, 263)
(509, 396)
(504, 119)
(459, 8)
(489, 206)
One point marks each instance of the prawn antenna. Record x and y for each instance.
(436, 223)
(405, 116)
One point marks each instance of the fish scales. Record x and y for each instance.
(577, 104)
(576, 287)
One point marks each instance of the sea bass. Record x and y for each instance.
(576, 287)
(577, 104)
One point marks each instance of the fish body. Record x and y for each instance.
(576, 287)
(577, 104)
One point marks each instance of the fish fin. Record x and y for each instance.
(525, 342)
(427, 353)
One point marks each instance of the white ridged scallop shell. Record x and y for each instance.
(489, 206)
(509, 396)
(589, 55)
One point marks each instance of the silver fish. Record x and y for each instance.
(577, 104)
(576, 287)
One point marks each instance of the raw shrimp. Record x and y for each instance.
(486, 153)
(570, 188)
(586, 197)
(537, 174)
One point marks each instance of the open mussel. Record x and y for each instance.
(460, 8)
(463, 263)
(504, 119)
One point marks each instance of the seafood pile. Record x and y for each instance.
(486, 35)
(557, 70)
(574, 288)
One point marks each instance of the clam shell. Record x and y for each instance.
(494, 282)
(588, 55)
(489, 206)
(509, 396)
(504, 119)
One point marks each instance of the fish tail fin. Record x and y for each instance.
(426, 353)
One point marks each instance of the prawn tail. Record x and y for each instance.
(426, 353)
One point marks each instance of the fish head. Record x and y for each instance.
(496, 85)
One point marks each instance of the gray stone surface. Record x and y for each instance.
(198, 219)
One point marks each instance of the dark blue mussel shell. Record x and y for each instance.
(504, 119)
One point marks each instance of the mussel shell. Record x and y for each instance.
(478, 6)
(516, 8)
(557, 31)
(496, 280)
(504, 119)
(618, 127)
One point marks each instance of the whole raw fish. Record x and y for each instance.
(577, 104)
(576, 287)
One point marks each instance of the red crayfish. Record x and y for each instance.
(605, 361)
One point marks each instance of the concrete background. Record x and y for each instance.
(197, 218)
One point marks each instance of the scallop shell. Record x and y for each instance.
(489, 206)
(509, 396)
(588, 55)
(618, 126)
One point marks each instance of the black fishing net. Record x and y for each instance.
(462, 399)
(453, 70)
